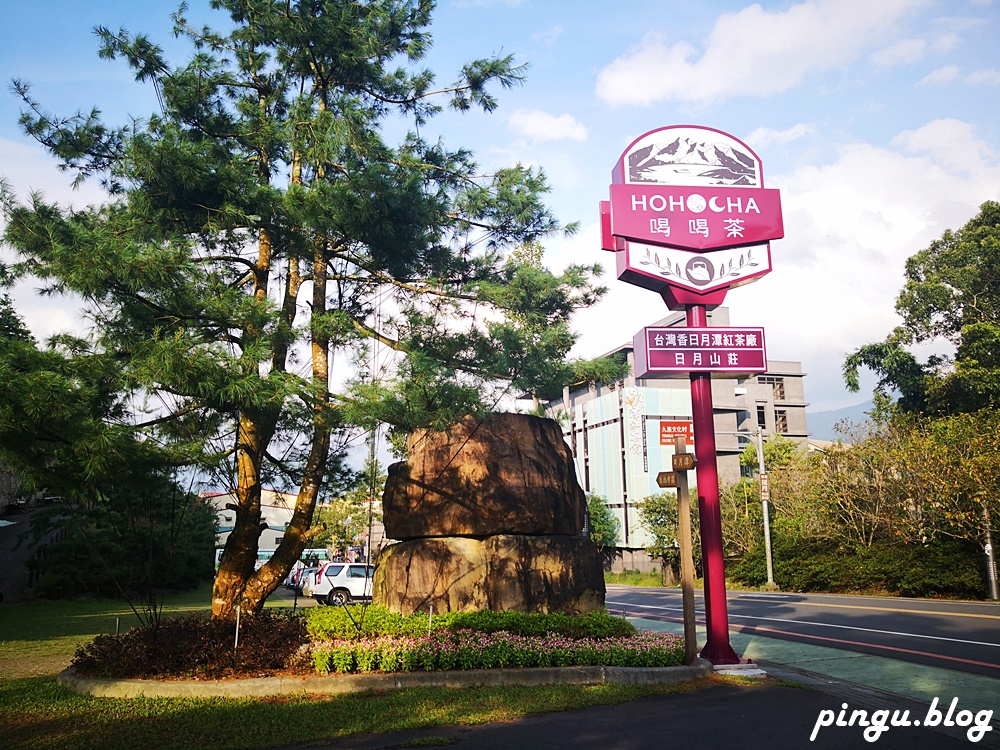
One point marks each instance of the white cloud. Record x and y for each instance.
(541, 126)
(903, 52)
(951, 143)
(29, 168)
(941, 76)
(752, 52)
(762, 137)
(549, 36)
(946, 42)
(951, 73)
(984, 77)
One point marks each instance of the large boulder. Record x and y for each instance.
(506, 572)
(502, 474)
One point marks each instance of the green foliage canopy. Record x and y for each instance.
(605, 531)
(262, 224)
(658, 515)
(952, 293)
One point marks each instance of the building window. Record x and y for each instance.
(761, 415)
(780, 421)
(777, 385)
(277, 540)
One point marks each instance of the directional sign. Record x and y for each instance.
(683, 461)
(666, 479)
(669, 429)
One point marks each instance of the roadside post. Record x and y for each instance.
(765, 499)
(689, 218)
(991, 562)
(682, 461)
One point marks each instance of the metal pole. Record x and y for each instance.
(717, 647)
(687, 562)
(991, 562)
(764, 494)
(236, 643)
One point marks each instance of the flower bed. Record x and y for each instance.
(366, 639)
(469, 649)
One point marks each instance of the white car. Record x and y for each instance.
(337, 583)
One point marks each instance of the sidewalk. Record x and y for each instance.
(914, 681)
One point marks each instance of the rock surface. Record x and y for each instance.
(504, 474)
(491, 517)
(506, 572)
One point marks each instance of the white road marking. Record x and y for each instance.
(823, 625)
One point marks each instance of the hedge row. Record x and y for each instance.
(942, 568)
(354, 623)
(468, 649)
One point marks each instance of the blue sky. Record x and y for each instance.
(877, 120)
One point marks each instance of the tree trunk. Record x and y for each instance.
(667, 570)
(240, 555)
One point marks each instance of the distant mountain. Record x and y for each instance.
(821, 423)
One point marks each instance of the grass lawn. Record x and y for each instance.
(37, 713)
(38, 639)
(635, 578)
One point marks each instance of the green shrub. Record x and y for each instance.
(196, 646)
(469, 649)
(940, 568)
(356, 622)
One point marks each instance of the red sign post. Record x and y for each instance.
(688, 217)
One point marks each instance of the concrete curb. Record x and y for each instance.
(329, 685)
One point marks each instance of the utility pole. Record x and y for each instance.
(991, 562)
(765, 497)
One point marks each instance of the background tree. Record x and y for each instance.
(136, 542)
(123, 525)
(605, 530)
(658, 515)
(792, 474)
(347, 517)
(952, 293)
(262, 223)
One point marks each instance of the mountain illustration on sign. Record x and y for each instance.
(688, 162)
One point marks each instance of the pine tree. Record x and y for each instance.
(263, 223)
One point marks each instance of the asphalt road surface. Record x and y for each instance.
(963, 636)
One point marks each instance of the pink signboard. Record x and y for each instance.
(695, 218)
(680, 351)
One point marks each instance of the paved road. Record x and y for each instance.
(750, 718)
(963, 636)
